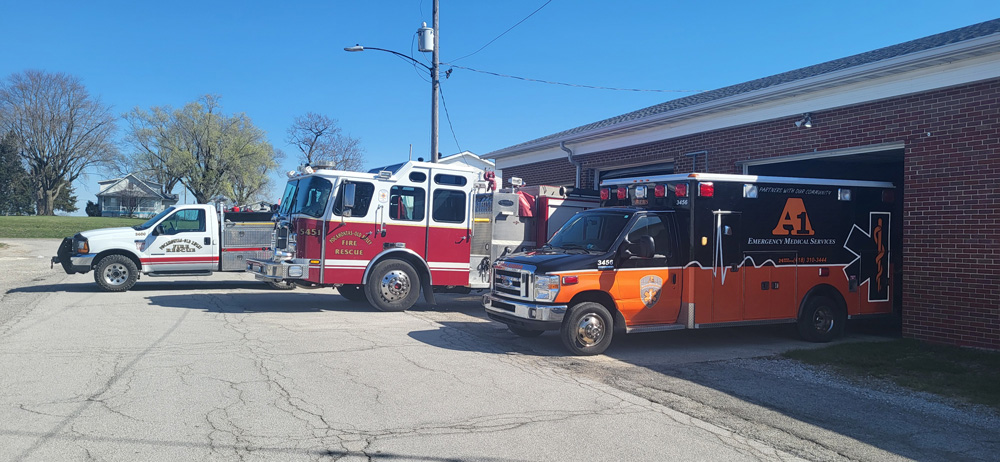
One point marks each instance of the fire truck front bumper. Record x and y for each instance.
(524, 315)
(275, 269)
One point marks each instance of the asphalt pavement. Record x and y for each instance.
(222, 368)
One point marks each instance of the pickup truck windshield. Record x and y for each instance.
(593, 231)
(152, 221)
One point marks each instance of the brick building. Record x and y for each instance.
(924, 114)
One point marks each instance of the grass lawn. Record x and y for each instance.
(969, 375)
(57, 227)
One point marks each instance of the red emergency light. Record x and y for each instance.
(605, 194)
(660, 190)
(622, 192)
(681, 190)
(706, 189)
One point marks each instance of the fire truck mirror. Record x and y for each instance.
(726, 230)
(348, 197)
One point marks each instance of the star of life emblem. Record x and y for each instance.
(649, 289)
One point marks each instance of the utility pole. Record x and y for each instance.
(435, 83)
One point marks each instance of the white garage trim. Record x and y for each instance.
(746, 164)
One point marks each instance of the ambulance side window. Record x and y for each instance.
(406, 203)
(656, 227)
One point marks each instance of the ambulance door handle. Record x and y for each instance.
(765, 285)
(774, 285)
(673, 278)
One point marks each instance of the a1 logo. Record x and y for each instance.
(794, 220)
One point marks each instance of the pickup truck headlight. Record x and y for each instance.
(546, 287)
(82, 246)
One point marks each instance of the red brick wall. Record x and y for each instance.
(951, 222)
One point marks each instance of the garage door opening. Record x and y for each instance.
(873, 164)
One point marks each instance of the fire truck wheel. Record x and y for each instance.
(525, 332)
(116, 273)
(393, 286)
(587, 329)
(822, 320)
(283, 285)
(352, 293)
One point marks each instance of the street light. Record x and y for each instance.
(433, 69)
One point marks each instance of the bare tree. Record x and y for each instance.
(61, 130)
(130, 199)
(318, 138)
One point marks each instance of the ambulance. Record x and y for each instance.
(695, 251)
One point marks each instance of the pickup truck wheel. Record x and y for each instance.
(282, 285)
(116, 273)
(354, 293)
(527, 333)
(393, 286)
(821, 320)
(587, 329)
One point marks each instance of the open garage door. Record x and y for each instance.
(872, 163)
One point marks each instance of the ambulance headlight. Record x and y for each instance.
(546, 288)
(295, 271)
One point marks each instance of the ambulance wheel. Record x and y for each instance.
(527, 333)
(116, 273)
(393, 286)
(282, 285)
(353, 293)
(587, 329)
(821, 320)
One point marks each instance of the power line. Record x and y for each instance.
(566, 84)
(448, 116)
(505, 32)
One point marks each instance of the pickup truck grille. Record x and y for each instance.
(512, 280)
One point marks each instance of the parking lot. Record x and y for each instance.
(223, 368)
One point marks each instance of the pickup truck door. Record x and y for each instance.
(184, 241)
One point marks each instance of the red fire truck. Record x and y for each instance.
(707, 250)
(385, 235)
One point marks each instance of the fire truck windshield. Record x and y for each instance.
(307, 196)
(288, 197)
(592, 231)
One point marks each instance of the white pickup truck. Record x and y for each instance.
(185, 240)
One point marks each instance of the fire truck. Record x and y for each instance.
(693, 251)
(388, 234)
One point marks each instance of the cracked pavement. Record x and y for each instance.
(222, 368)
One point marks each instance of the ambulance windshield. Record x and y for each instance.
(591, 231)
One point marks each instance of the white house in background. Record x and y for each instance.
(472, 160)
(132, 196)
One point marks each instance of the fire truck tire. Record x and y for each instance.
(822, 320)
(393, 286)
(283, 285)
(587, 329)
(352, 293)
(116, 273)
(522, 332)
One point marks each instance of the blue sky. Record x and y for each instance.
(278, 60)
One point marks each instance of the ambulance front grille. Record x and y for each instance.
(512, 283)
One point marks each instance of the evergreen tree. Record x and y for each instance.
(66, 200)
(15, 186)
(93, 210)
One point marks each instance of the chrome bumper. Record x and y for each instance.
(527, 311)
(276, 270)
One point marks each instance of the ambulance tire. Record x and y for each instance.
(526, 333)
(821, 320)
(283, 285)
(587, 329)
(353, 293)
(116, 273)
(393, 286)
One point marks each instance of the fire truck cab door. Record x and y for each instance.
(727, 270)
(448, 231)
(183, 241)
